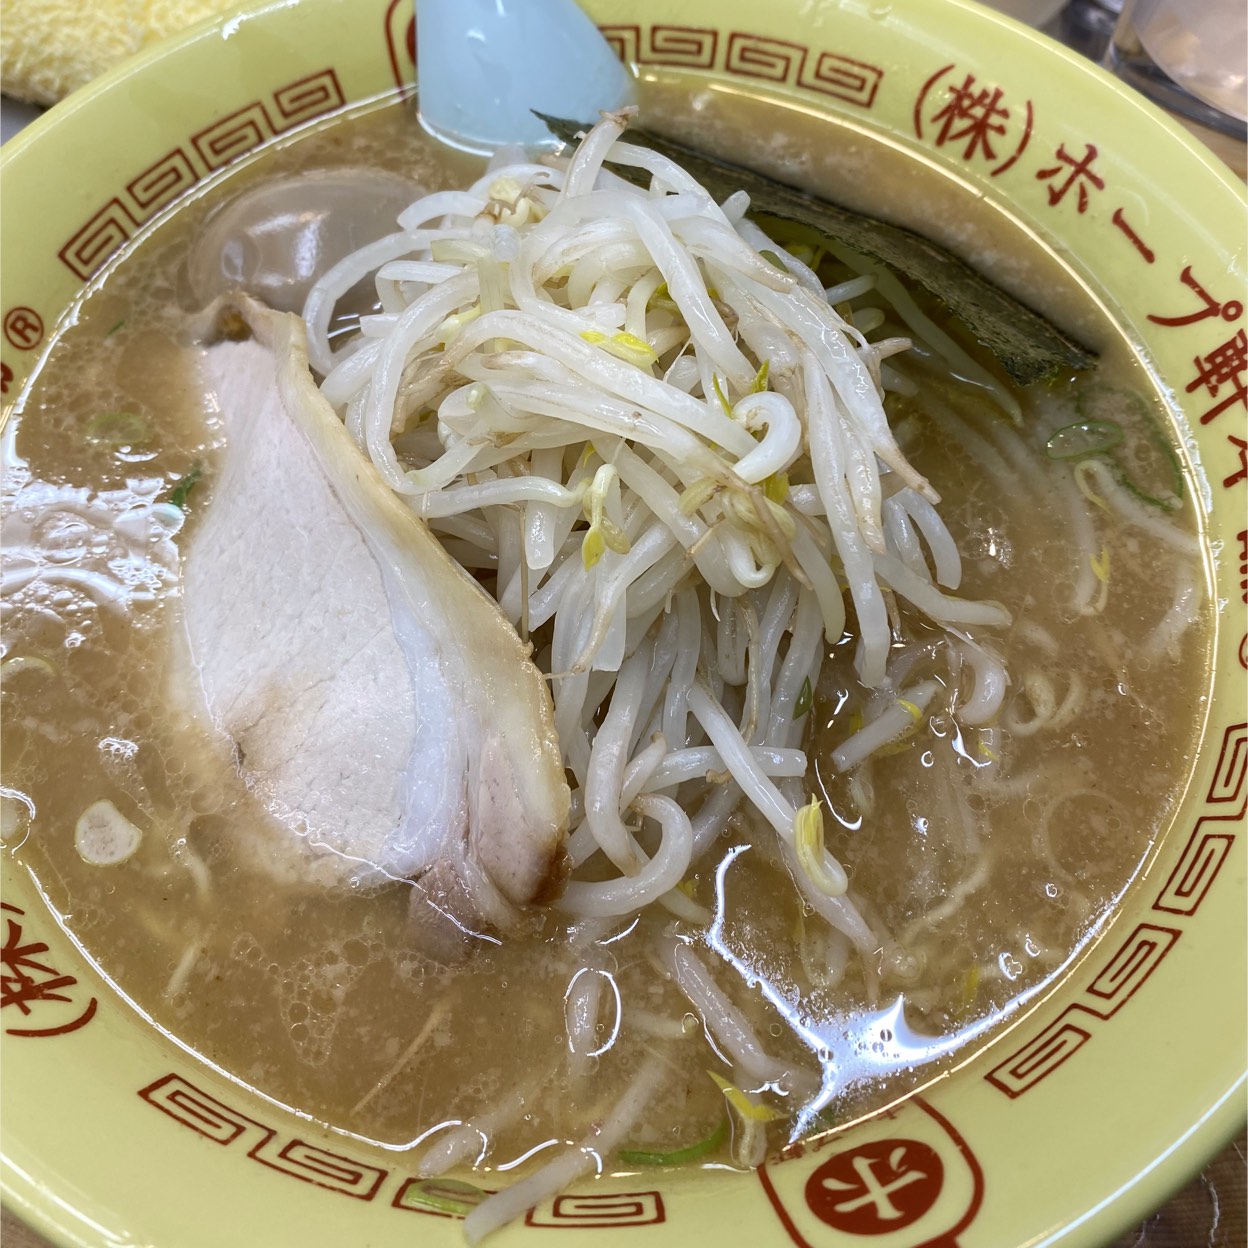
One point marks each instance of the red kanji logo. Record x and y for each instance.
(972, 119)
(884, 1185)
(1121, 222)
(1077, 173)
(1222, 370)
(1231, 310)
(971, 115)
(29, 983)
(1242, 474)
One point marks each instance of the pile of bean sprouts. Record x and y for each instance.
(646, 427)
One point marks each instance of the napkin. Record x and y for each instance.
(48, 48)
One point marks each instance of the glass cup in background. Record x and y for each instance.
(1191, 57)
(1033, 12)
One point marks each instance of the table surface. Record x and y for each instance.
(1210, 1211)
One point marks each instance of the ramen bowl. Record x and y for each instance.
(1086, 1107)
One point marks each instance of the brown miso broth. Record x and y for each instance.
(989, 858)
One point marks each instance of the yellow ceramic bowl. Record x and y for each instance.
(1105, 1094)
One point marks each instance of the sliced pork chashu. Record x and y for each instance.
(377, 701)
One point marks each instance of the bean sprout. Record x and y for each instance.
(668, 455)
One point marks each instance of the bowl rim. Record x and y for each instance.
(1220, 1120)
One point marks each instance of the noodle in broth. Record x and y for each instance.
(989, 785)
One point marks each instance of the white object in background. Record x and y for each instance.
(482, 65)
(1033, 12)
(1201, 44)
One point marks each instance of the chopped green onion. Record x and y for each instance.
(445, 1196)
(184, 485)
(805, 699)
(1147, 456)
(1083, 438)
(679, 1157)
(1169, 502)
(119, 429)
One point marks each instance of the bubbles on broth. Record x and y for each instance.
(985, 854)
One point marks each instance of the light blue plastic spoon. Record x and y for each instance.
(482, 65)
